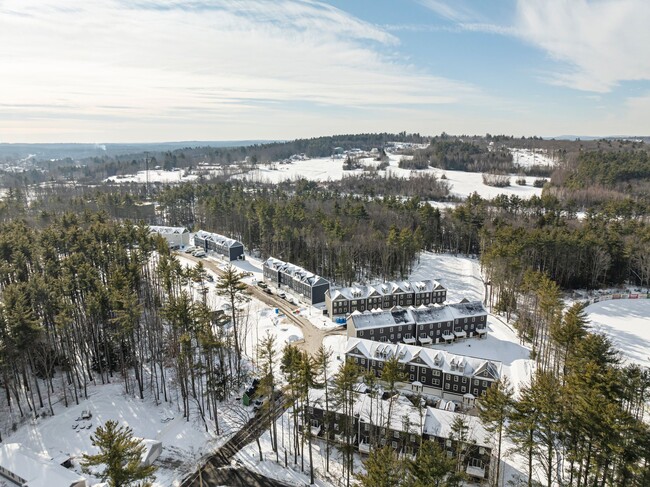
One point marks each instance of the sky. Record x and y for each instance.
(170, 70)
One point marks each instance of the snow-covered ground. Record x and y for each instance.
(627, 324)
(155, 176)
(528, 157)
(326, 168)
(184, 442)
(460, 275)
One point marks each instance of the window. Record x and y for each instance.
(475, 392)
(464, 380)
(394, 444)
(412, 438)
(455, 387)
(392, 337)
(455, 378)
(366, 427)
(412, 368)
(391, 329)
(395, 434)
(484, 383)
(412, 377)
(363, 361)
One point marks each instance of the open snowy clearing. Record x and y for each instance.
(155, 176)
(460, 275)
(626, 322)
(462, 184)
(529, 158)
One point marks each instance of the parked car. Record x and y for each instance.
(199, 253)
(262, 284)
(282, 295)
(267, 290)
(190, 249)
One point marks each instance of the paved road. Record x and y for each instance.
(312, 334)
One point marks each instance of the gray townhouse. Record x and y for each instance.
(341, 302)
(311, 287)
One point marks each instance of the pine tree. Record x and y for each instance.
(383, 469)
(231, 286)
(432, 468)
(495, 406)
(120, 454)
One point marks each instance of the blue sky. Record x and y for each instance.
(160, 70)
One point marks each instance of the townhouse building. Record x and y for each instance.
(369, 426)
(309, 286)
(423, 325)
(384, 296)
(431, 371)
(213, 242)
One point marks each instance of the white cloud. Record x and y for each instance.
(458, 13)
(212, 61)
(603, 42)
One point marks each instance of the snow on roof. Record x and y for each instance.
(437, 422)
(218, 239)
(439, 359)
(466, 309)
(297, 273)
(167, 230)
(405, 416)
(433, 313)
(386, 288)
(36, 470)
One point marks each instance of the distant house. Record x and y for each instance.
(422, 325)
(384, 296)
(213, 242)
(403, 431)
(175, 236)
(301, 281)
(27, 468)
(428, 370)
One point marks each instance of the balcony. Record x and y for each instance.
(409, 340)
(448, 336)
(315, 430)
(475, 471)
(458, 333)
(364, 448)
(481, 331)
(425, 340)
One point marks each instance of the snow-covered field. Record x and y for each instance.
(460, 275)
(528, 157)
(627, 324)
(326, 168)
(155, 176)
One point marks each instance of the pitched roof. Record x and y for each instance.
(297, 273)
(37, 470)
(167, 230)
(434, 358)
(386, 288)
(405, 416)
(218, 239)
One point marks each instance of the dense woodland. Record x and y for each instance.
(87, 300)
